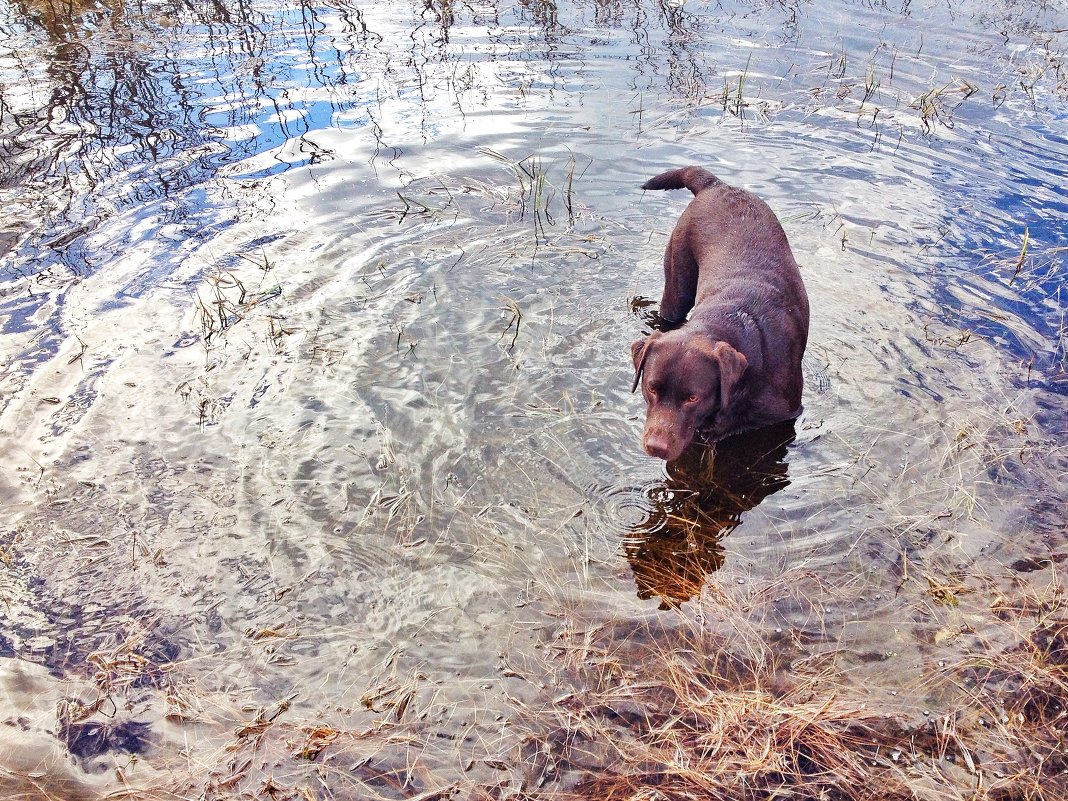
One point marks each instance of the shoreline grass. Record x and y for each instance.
(724, 715)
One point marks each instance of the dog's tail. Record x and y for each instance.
(693, 178)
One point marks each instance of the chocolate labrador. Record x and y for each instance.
(735, 363)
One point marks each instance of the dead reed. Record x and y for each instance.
(689, 712)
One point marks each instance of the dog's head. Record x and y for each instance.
(687, 380)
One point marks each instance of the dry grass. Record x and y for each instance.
(692, 714)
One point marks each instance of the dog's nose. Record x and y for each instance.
(657, 446)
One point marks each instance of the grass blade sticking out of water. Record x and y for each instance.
(514, 166)
(933, 107)
(536, 191)
(568, 201)
(1023, 255)
(733, 100)
(871, 85)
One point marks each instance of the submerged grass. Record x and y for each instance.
(711, 701)
(699, 713)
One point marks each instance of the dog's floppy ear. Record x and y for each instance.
(732, 365)
(639, 352)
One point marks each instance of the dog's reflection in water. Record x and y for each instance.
(705, 494)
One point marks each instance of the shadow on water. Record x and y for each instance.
(705, 495)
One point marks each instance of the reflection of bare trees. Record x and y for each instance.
(133, 103)
(704, 497)
(114, 104)
(107, 105)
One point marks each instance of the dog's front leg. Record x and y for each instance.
(680, 279)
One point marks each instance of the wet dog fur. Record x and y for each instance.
(735, 364)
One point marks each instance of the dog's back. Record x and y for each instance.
(734, 243)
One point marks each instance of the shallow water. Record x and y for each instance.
(315, 371)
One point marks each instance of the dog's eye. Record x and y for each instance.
(693, 399)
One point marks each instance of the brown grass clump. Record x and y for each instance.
(680, 713)
(704, 734)
(1016, 705)
(684, 714)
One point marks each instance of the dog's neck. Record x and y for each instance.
(733, 328)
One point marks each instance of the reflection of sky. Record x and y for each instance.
(232, 94)
(991, 191)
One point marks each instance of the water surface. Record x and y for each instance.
(314, 382)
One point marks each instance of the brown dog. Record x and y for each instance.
(736, 363)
